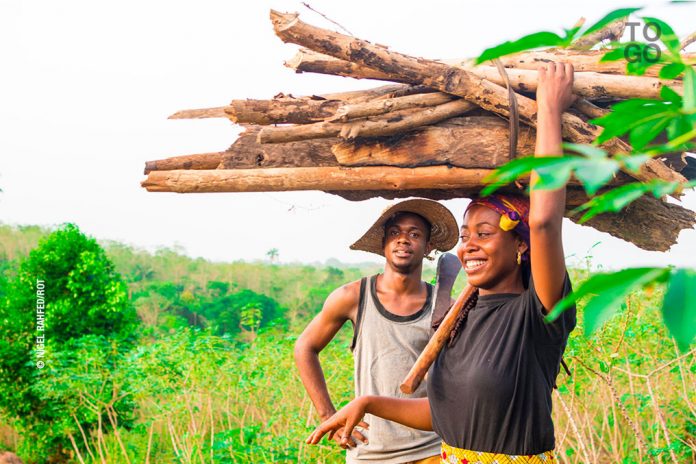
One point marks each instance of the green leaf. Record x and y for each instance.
(528, 42)
(689, 82)
(633, 162)
(609, 18)
(641, 135)
(607, 292)
(678, 127)
(672, 70)
(512, 170)
(679, 306)
(631, 114)
(614, 54)
(595, 173)
(612, 201)
(569, 36)
(683, 139)
(554, 176)
(660, 188)
(668, 94)
(666, 34)
(591, 151)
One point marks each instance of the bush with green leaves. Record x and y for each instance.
(83, 296)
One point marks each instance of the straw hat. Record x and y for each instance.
(443, 233)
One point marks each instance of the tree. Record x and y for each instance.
(272, 255)
(66, 289)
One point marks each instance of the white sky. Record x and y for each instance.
(86, 87)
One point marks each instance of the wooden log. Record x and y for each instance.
(303, 110)
(247, 153)
(688, 40)
(588, 60)
(390, 124)
(382, 106)
(307, 60)
(199, 161)
(612, 31)
(591, 85)
(589, 109)
(310, 61)
(315, 178)
(447, 79)
(648, 223)
(468, 142)
(200, 113)
(298, 110)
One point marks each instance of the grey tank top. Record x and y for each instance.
(385, 347)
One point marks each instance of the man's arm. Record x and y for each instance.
(340, 306)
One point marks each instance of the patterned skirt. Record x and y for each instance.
(452, 455)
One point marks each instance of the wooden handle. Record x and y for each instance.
(432, 349)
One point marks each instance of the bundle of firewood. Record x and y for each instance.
(436, 133)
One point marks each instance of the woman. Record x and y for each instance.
(489, 391)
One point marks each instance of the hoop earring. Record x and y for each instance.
(519, 258)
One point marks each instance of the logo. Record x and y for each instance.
(647, 52)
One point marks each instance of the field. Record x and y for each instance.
(206, 373)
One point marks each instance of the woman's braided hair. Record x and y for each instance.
(461, 317)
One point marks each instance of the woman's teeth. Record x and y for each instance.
(473, 264)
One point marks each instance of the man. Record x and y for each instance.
(391, 316)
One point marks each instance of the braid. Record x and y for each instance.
(461, 317)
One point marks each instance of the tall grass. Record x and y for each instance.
(201, 398)
(205, 399)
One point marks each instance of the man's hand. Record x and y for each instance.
(341, 426)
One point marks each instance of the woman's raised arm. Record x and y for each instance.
(554, 95)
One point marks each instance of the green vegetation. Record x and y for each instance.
(207, 374)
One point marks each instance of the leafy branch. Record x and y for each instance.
(642, 121)
(551, 39)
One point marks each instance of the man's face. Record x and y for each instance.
(405, 243)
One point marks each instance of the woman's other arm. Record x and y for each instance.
(414, 413)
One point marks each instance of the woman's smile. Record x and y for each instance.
(474, 265)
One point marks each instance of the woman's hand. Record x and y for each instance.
(343, 424)
(555, 89)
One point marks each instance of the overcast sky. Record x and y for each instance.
(86, 88)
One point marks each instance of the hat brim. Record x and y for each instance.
(444, 231)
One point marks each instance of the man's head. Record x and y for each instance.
(408, 231)
(406, 241)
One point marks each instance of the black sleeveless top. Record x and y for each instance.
(491, 391)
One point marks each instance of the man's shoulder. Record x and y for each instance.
(344, 301)
(349, 292)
